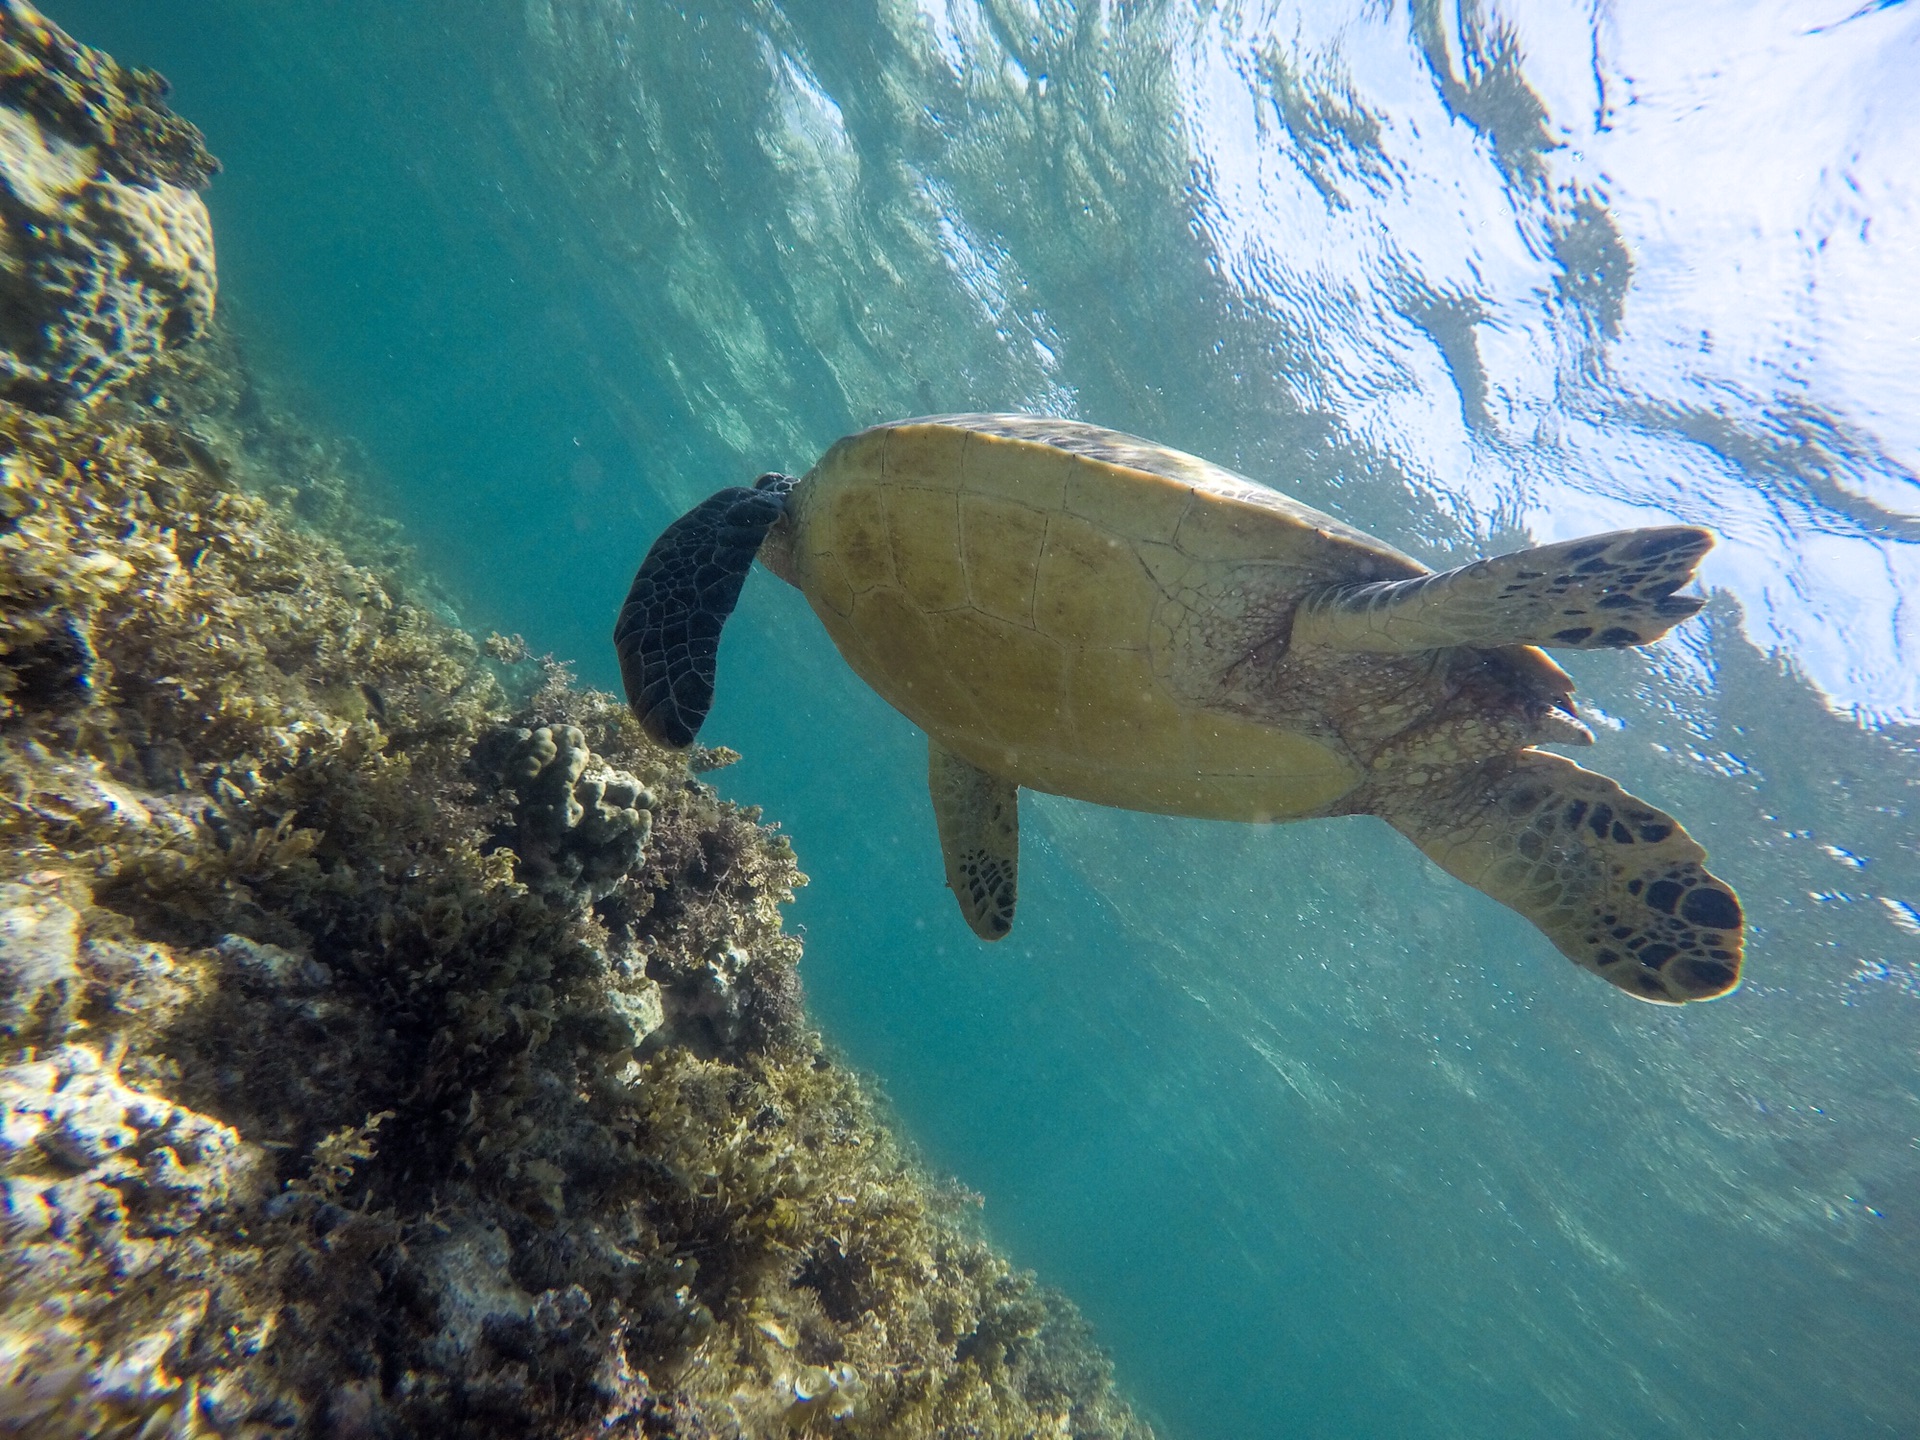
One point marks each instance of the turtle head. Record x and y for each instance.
(776, 550)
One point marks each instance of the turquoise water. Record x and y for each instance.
(1324, 1143)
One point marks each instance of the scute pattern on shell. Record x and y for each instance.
(1083, 613)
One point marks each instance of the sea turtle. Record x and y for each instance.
(1081, 612)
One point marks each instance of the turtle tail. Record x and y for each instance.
(668, 633)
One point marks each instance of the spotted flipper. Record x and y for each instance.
(979, 819)
(668, 633)
(1616, 884)
(1601, 593)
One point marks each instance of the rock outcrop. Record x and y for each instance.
(106, 251)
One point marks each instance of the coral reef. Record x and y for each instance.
(394, 1042)
(577, 821)
(106, 251)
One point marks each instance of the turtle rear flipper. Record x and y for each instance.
(979, 819)
(1604, 592)
(1617, 885)
(668, 633)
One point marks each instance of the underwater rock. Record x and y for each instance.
(106, 250)
(39, 962)
(74, 1110)
(704, 1004)
(107, 1194)
(821, 1392)
(439, 1067)
(470, 1275)
(268, 967)
(642, 1006)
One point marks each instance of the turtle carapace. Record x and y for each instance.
(1073, 610)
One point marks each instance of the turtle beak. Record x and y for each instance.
(1560, 724)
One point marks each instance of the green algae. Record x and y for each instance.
(396, 1042)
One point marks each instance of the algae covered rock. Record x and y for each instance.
(436, 1066)
(393, 1041)
(106, 251)
(102, 1181)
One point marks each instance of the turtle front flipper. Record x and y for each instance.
(1604, 592)
(668, 633)
(1617, 885)
(979, 819)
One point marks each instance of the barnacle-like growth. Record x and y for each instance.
(392, 1041)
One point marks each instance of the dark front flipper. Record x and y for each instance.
(668, 634)
(1615, 883)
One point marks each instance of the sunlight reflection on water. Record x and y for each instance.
(1663, 262)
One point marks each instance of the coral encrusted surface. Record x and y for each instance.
(393, 1042)
(106, 251)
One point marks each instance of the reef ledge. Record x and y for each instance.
(393, 1042)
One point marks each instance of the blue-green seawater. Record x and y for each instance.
(1324, 1143)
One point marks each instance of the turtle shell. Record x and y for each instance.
(1038, 596)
